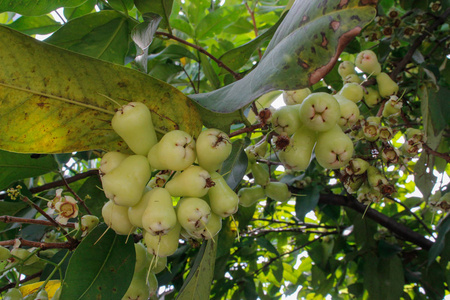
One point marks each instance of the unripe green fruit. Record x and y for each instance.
(386, 86)
(126, 183)
(4, 253)
(133, 123)
(192, 182)
(250, 195)
(278, 191)
(367, 195)
(352, 91)
(42, 295)
(357, 166)
(13, 294)
(222, 199)
(138, 289)
(175, 151)
(110, 161)
(260, 174)
(371, 132)
(353, 183)
(159, 216)
(372, 97)
(349, 112)
(295, 96)
(352, 78)
(385, 133)
(153, 285)
(392, 107)
(346, 68)
(158, 263)
(142, 260)
(334, 149)
(211, 229)
(375, 179)
(116, 217)
(416, 135)
(286, 119)
(367, 62)
(135, 212)
(163, 245)
(88, 222)
(297, 155)
(213, 148)
(320, 112)
(193, 213)
(24, 255)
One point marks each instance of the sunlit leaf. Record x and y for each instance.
(36, 8)
(160, 7)
(35, 25)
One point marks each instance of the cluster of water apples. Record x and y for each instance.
(185, 197)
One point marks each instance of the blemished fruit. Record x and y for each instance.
(4, 253)
(175, 151)
(392, 107)
(357, 166)
(88, 222)
(386, 86)
(260, 173)
(352, 91)
(334, 148)
(110, 161)
(367, 62)
(349, 112)
(23, 255)
(126, 183)
(346, 68)
(372, 97)
(193, 213)
(192, 182)
(320, 112)
(286, 119)
(133, 123)
(116, 217)
(295, 96)
(158, 264)
(13, 294)
(211, 229)
(163, 245)
(250, 195)
(213, 148)
(352, 78)
(159, 216)
(297, 155)
(278, 191)
(222, 199)
(135, 212)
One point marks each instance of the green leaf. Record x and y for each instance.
(209, 71)
(216, 21)
(15, 166)
(307, 201)
(36, 8)
(104, 35)
(303, 50)
(35, 25)
(75, 12)
(56, 259)
(92, 188)
(160, 7)
(439, 244)
(121, 5)
(234, 167)
(266, 244)
(142, 36)
(62, 105)
(100, 268)
(198, 283)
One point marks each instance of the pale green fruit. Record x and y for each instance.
(12, 294)
(142, 260)
(192, 182)
(158, 264)
(346, 68)
(4, 253)
(160, 179)
(23, 255)
(153, 284)
(135, 212)
(42, 295)
(110, 161)
(372, 97)
(367, 195)
(88, 222)
(295, 96)
(163, 245)
(213, 148)
(357, 166)
(260, 173)
(349, 112)
(251, 154)
(278, 191)
(133, 123)
(57, 294)
(320, 112)
(175, 151)
(297, 155)
(222, 199)
(193, 213)
(138, 289)
(386, 86)
(367, 62)
(414, 134)
(286, 119)
(392, 107)
(334, 148)
(250, 195)
(352, 91)
(352, 78)
(159, 216)
(375, 179)
(211, 229)
(126, 183)
(116, 217)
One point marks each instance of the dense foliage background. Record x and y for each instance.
(219, 64)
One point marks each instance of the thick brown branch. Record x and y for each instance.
(40, 245)
(444, 156)
(200, 49)
(246, 129)
(10, 219)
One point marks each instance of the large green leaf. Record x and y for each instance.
(36, 8)
(303, 50)
(104, 35)
(35, 25)
(198, 283)
(15, 166)
(55, 100)
(160, 7)
(101, 267)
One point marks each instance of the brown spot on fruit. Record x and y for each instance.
(335, 25)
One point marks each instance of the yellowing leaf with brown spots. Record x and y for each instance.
(53, 100)
(303, 50)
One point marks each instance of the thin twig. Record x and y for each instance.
(11, 219)
(40, 245)
(444, 156)
(246, 129)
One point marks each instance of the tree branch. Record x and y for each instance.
(444, 156)
(40, 245)
(11, 219)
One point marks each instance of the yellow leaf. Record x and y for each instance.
(50, 287)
